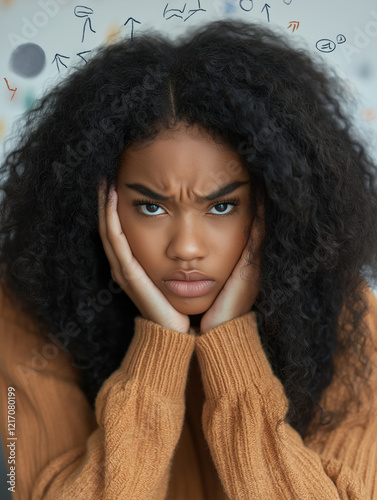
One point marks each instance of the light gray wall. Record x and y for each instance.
(65, 28)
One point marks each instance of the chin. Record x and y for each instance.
(188, 306)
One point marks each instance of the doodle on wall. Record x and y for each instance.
(27, 60)
(326, 45)
(82, 11)
(180, 13)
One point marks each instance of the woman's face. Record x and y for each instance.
(184, 233)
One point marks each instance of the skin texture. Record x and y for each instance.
(183, 234)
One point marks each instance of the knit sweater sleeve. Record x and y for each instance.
(64, 449)
(256, 453)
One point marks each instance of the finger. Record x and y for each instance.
(249, 262)
(257, 236)
(102, 227)
(129, 269)
(257, 233)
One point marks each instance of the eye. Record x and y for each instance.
(223, 204)
(153, 206)
(152, 211)
(232, 203)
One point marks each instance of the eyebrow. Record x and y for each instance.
(226, 189)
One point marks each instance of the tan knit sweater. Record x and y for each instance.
(184, 418)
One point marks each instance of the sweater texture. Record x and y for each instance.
(184, 417)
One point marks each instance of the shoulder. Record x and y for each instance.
(12, 312)
(24, 344)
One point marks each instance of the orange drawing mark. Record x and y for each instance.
(369, 114)
(113, 34)
(295, 25)
(2, 128)
(13, 90)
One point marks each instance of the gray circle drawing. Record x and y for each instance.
(27, 60)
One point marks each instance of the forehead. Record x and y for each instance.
(185, 153)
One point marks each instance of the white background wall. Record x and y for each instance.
(63, 32)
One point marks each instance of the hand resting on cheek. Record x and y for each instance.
(128, 273)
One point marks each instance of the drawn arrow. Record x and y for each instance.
(295, 25)
(87, 20)
(193, 11)
(84, 52)
(132, 25)
(57, 59)
(12, 90)
(266, 6)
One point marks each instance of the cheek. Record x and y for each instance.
(143, 246)
(232, 245)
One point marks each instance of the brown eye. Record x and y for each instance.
(146, 203)
(232, 205)
(153, 205)
(222, 205)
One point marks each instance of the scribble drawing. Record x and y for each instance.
(132, 25)
(84, 52)
(294, 24)
(340, 38)
(177, 12)
(58, 60)
(325, 45)
(247, 5)
(12, 90)
(83, 11)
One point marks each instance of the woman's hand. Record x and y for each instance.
(241, 288)
(128, 273)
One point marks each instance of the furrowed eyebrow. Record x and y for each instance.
(226, 189)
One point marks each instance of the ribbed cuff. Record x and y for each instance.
(159, 357)
(231, 357)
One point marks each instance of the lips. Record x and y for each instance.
(189, 288)
(182, 275)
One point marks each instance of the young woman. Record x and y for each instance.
(188, 231)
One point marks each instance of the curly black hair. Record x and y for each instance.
(282, 110)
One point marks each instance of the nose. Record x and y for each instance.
(187, 240)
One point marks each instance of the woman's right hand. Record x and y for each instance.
(128, 273)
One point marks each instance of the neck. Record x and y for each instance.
(195, 321)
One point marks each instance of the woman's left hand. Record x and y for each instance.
(241, 288)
